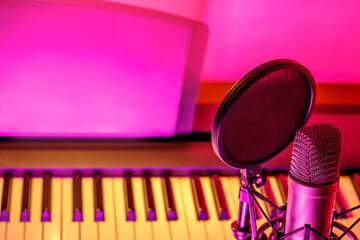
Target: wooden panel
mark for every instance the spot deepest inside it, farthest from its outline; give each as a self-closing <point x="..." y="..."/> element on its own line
<point x="326" y="94"/>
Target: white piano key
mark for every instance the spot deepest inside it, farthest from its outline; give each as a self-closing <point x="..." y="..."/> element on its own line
<point x="233" y="201"/>
<point x="88" y="227"/>
<point x="70" y="229"/>
<point x="179" y="228"/>
<point x="2" y="224"/>
<point x="52" y="229"/>
<point x="143" y="228"/>
<point x="161" y="226"/>
<point x="15" y="228"/>
<point x="214" y="227"/>
<point x="233" y="204"/>
<point x="234" y="185"/>
<point x="125" y="229"/>
<point x="33" y="229"/>
<point x="196" y="227"/>
<point x="107" y="227"/>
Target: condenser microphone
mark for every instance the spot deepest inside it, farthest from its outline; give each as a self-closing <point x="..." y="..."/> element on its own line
<point x="313" y="181"/>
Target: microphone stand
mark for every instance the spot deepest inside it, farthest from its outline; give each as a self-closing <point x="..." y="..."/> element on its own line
<point x="246" y="219"/>
<point x="245" y="227"/>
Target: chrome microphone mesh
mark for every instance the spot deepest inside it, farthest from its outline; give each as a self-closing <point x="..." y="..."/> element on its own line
<point x="316" y="154"/>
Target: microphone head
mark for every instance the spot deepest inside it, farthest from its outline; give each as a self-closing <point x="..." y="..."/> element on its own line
<point x="316" y="154"/>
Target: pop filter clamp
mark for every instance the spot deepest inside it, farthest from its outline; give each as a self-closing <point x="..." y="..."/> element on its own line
<point x="246" y="217"/>
<point x="257" y="119"/>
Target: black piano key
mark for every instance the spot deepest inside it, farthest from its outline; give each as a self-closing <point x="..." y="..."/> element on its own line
<point x="129" y="198"/>
<point x="220" y="200"/>
<point x="98" y="198"/>
<point x="199" y="199"/>
<point x="341" y="204"/>
<point x="5" y="203"/>
<point x="271" y="196"/>
<point x="77" y="198"/>
<point x="25" y="205"/>
<point x="356" y="182"/>
<point x="149" y="198"/>
<point x="46" y="200"/>
<point x="169" y="198"/>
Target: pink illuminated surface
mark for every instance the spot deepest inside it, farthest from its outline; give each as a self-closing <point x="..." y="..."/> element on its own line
<point x="109" y="70"/>
<point x="322" y="35"/>
<point x="73" y="83"/>
<point x="186" y="8"/>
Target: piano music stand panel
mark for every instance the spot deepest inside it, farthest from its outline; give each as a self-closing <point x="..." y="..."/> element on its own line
<point x="97" y="69"/>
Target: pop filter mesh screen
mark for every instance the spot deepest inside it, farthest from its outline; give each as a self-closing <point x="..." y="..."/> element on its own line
<point x="260" y="122"/>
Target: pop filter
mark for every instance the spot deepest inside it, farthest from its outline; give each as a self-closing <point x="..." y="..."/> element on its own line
<point x="262" y="112"/>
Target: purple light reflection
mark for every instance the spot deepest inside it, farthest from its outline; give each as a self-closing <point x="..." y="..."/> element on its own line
<point x="77" y="216"/>
<point x="99" y="216"/>
<point x="104" y="70"/>
<point x="4" y="216"/>
<point x="45" y="216"/>
<point x="130" y="216"/>
<point x="25" y="216"/>
<point x="172" y="216"/>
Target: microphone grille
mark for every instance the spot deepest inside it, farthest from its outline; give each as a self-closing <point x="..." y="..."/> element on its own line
<point x="316" y="154"/>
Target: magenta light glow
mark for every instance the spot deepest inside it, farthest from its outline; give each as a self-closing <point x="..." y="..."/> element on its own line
<point x="193" y="9"/>
<point x="322" y="35"/>
<point x="96" y="70"/>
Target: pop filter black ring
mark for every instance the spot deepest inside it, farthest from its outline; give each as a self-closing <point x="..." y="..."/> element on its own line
<point x="239" y="89"/>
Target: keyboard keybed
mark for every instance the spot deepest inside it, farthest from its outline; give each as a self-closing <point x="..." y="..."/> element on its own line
<point x="133" y="207"/>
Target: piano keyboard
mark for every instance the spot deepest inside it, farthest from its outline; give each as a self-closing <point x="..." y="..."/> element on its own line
<point x="133" y="207"/>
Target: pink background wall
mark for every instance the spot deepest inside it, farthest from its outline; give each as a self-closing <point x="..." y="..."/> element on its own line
<point x="322" y="35"/>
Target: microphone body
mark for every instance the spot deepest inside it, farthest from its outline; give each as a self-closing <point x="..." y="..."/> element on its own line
<point x="310" y="204"/>
<point x="313" y="181"/>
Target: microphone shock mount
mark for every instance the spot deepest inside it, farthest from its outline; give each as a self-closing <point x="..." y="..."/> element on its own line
<point x="244" y="228"/>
